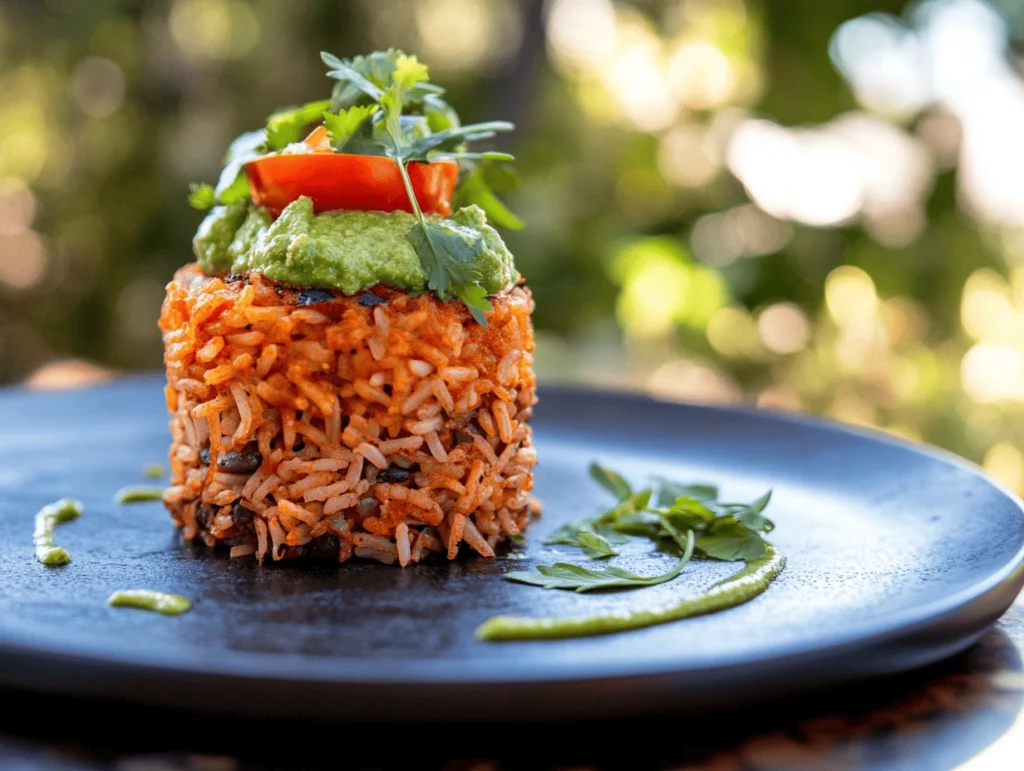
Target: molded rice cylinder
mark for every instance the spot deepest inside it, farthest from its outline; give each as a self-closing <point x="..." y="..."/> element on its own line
<point x="310" y="424"/>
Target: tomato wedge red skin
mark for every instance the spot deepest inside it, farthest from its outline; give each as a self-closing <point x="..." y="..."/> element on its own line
<point x="342" y="181"/>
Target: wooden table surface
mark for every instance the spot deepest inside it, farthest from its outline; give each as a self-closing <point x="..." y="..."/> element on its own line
<point x="964" y="713"/>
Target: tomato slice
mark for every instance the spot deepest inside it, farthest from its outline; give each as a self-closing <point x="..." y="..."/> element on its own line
<point x="353" y="182"/>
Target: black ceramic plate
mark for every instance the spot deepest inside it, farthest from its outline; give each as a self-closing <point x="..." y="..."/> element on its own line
<point x="898" y="556"/>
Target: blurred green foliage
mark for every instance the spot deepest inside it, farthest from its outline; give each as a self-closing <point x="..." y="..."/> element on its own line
<point x="663" y="249"/>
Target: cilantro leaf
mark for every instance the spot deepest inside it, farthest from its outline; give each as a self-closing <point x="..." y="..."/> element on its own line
<point x="668" y="491"/>
<point x="201" y="196"/>
<point x="409" y="71"/>
<point x="596" y="546"/>
<point x="475" y="299"/>
<point x="610" y="481"/>
<point x="751" y="514"/>
<point x="363" y="75"/>
<point x="474" y="189"/>
<point x="447" y="253"/>
<point x="233" y="185"/>
<point x="358" y="76"/>
<point x="689" y="512"/>
<point x="343" y="124"/>
<point x="236" y="191"/>
<point x="439" y="114"/>
<point x="594" y="539"/>
<point x="731" y="541"/>
<point x="564" y="575"/>
<point x="287" y="126"/>
<point x="450" y="139"/>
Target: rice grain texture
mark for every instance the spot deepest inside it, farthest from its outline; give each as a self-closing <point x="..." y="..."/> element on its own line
<point x="336" y="428"/>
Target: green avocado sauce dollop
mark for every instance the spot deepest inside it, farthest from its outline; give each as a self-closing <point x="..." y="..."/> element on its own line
<point x="346" y="250"/>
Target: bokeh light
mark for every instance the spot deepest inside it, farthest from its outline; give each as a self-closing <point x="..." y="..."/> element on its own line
<point x="97" y="86"/>
<point x="213" y="29"/>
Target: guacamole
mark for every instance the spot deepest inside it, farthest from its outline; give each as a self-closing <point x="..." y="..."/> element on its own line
<point x="346" y="250"/>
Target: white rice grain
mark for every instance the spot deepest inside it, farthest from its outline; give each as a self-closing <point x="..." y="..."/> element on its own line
<point x="418" y="396"/>
<point x="269" y="484"/>
<point x="407" y="443"/>
<point x="326" y="492"/>
<point x="427" y="426"/>
<point x="457" y="374"/>
<point x="402" y="544"/>
<point x="473" y="537"/>
<point x="436" y="448"/>
<point x="443" y="394"/>
<point x="503" y="421"/>
<point x="340" y="503"/>
<point x="485" y="449"/>
<point x="297" y="512"/>
<point x="420" y="368"/>
<point x="277" y="537"/>
<point x="372" y="454"/>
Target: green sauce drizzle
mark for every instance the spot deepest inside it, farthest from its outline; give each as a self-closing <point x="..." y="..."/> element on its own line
<point x="47" y="519"/>
<point x="154" y="471"/>
<point x="148" y="599"/>
<point x="745" y="585"/>
<point x="138" y="494"/>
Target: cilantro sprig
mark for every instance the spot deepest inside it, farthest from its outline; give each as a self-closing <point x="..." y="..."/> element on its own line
<point x="684" y="519"/>
<point x="725" y="531"/>
<point x="447" y="251"/>
<point x="564" y="575"/>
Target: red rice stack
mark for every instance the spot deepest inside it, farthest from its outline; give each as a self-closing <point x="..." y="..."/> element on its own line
<point x="307" y="423"/>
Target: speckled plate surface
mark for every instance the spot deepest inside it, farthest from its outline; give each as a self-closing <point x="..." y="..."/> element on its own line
<point x="898" y="556"/>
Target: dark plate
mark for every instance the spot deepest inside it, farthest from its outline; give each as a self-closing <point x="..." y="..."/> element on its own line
<point x="898" y="556"/>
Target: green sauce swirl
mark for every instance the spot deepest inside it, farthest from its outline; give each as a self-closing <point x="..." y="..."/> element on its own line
<point x="138" y="494"/>
<point x="47" y="519"/>
<point x="741" y="587"/>
<point x="148" y="599"/>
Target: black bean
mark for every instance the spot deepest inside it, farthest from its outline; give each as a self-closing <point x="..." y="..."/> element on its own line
<point x="292" y="552"/>
<point x="232" y="277"/>
<point x="243" y="518"/>
<point x="367" y="506"/>
<point x="324" y="547"/>
<point x="314" y="296"/>
<point x="393" y="474"/>
<point x="244" y="461"/>
<point x="463" y="437"/>
<point x="369" y="299"/>
<point x="204" y="456"/>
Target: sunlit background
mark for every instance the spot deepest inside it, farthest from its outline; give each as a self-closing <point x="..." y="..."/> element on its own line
<point x="803" y="204"/>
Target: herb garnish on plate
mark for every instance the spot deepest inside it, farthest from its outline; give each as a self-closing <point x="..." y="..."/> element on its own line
<point x="687" y="520"/>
